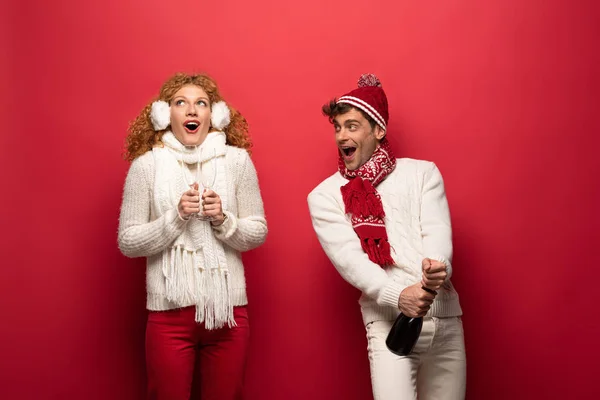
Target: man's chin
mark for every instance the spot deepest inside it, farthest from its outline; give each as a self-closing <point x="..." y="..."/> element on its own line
<point x="350" y="166"/>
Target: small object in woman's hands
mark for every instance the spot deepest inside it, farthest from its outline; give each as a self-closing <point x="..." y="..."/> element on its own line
<point x="194" y="186"/>
<point x="201" y="215"/>
<point x="208" y="179"/>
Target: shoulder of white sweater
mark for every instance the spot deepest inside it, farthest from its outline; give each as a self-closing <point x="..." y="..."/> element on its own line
<point x="144" y="164"/>
<point x="411" y="165"/>
<point x="145" y="160"/>
<point x="237" y="155"/>
<point x="237" y="160"/>
<point x="409" y="169"/>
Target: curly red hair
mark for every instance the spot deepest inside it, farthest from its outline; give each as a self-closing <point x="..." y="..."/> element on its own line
<point x="142" y="137"/>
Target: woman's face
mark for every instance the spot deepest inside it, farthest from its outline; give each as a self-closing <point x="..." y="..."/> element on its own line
<point x="190" y="115"/>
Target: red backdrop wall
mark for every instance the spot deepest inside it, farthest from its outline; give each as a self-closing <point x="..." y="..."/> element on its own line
<point x="502" y="95"/>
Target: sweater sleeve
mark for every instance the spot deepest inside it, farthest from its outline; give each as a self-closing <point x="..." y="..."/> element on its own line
<point x="341" y="244"/>
<point x="436" y="230"/>
<point x="138" y="235"/>
<point x="248" y="229"/>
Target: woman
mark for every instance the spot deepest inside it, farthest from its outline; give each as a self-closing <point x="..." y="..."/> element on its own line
<point x="191" y="205"/>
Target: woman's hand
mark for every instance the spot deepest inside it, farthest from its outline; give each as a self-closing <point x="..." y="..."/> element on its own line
<point x="189" y="203"/>
<point x="212" y="207"/>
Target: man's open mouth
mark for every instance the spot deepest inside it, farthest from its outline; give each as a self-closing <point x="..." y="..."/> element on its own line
<point x="348" y="151"/>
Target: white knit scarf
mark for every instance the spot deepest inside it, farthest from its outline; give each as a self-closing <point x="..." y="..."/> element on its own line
<point x="194" y="266"/>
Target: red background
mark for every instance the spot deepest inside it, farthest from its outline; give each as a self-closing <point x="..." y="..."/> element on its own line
<point x="501" y="95"/>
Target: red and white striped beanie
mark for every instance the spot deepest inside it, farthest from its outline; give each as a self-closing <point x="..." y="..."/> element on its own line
<point x="370" y="98"/>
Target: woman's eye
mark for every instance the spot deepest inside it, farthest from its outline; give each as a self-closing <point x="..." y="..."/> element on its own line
<point x="202" y="103"/>
<point x="179" y="102"/>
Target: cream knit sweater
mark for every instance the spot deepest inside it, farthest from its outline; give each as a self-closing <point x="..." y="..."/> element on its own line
<point x="143" y="234"/>
<point x="417" y="221"/>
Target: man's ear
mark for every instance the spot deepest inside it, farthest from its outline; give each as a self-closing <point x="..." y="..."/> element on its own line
<point x="379" y="132"/>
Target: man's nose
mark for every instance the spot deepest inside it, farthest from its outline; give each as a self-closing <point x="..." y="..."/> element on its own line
<point x="341" y="135"/>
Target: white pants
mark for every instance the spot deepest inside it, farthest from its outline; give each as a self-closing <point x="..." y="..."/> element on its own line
<point x="436" y="369"/>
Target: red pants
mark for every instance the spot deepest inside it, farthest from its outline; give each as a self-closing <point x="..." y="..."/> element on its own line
<point x="184" y="359"/>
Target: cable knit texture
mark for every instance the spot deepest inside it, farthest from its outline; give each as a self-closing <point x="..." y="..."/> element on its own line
<point x="417" y="221"/>
<point x="145" y="233"/>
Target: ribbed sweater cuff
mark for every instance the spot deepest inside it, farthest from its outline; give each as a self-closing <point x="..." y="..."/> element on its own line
<point x="391" y="294"/>
<point x="174" y="220"/>
<point x="444" y="260"/>
<point x="227" y="228"/>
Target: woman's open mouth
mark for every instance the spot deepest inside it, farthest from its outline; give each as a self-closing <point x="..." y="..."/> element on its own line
<point x="191" y="126"/>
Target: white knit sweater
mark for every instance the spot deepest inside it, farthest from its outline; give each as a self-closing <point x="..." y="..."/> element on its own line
<point x="417" y="221"/>
<point x="143" y="234"/>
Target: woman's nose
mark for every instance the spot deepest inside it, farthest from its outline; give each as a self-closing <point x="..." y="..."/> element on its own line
<point x="191" y="110"/>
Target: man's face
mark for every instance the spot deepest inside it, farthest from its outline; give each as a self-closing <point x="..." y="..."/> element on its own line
<point x="355" y="138"/>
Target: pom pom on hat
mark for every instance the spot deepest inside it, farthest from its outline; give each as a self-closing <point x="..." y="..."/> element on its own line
<point x="368" y="80"/>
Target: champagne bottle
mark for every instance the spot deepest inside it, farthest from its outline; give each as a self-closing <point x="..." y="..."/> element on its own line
<point x="405" y="332"/>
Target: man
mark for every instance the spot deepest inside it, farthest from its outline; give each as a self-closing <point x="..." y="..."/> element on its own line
<point x="385" y="225"/>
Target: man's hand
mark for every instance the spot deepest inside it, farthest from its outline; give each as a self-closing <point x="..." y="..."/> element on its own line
<point x="434" y="274"/>
<point x="414" y="301"/>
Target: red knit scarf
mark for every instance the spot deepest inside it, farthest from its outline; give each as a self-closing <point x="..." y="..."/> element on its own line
<point x="364" y="203"/>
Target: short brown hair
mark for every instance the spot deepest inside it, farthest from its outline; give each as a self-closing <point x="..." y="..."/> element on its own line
<point x="333" y="109"/>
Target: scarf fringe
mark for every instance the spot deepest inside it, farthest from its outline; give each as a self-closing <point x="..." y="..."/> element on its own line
<point x="188" y="282"/>
<point x="378" y="250"/>
<point x="361" y="202"/>
<point x="215" y="307"/>
<point x="179" y="281"/>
